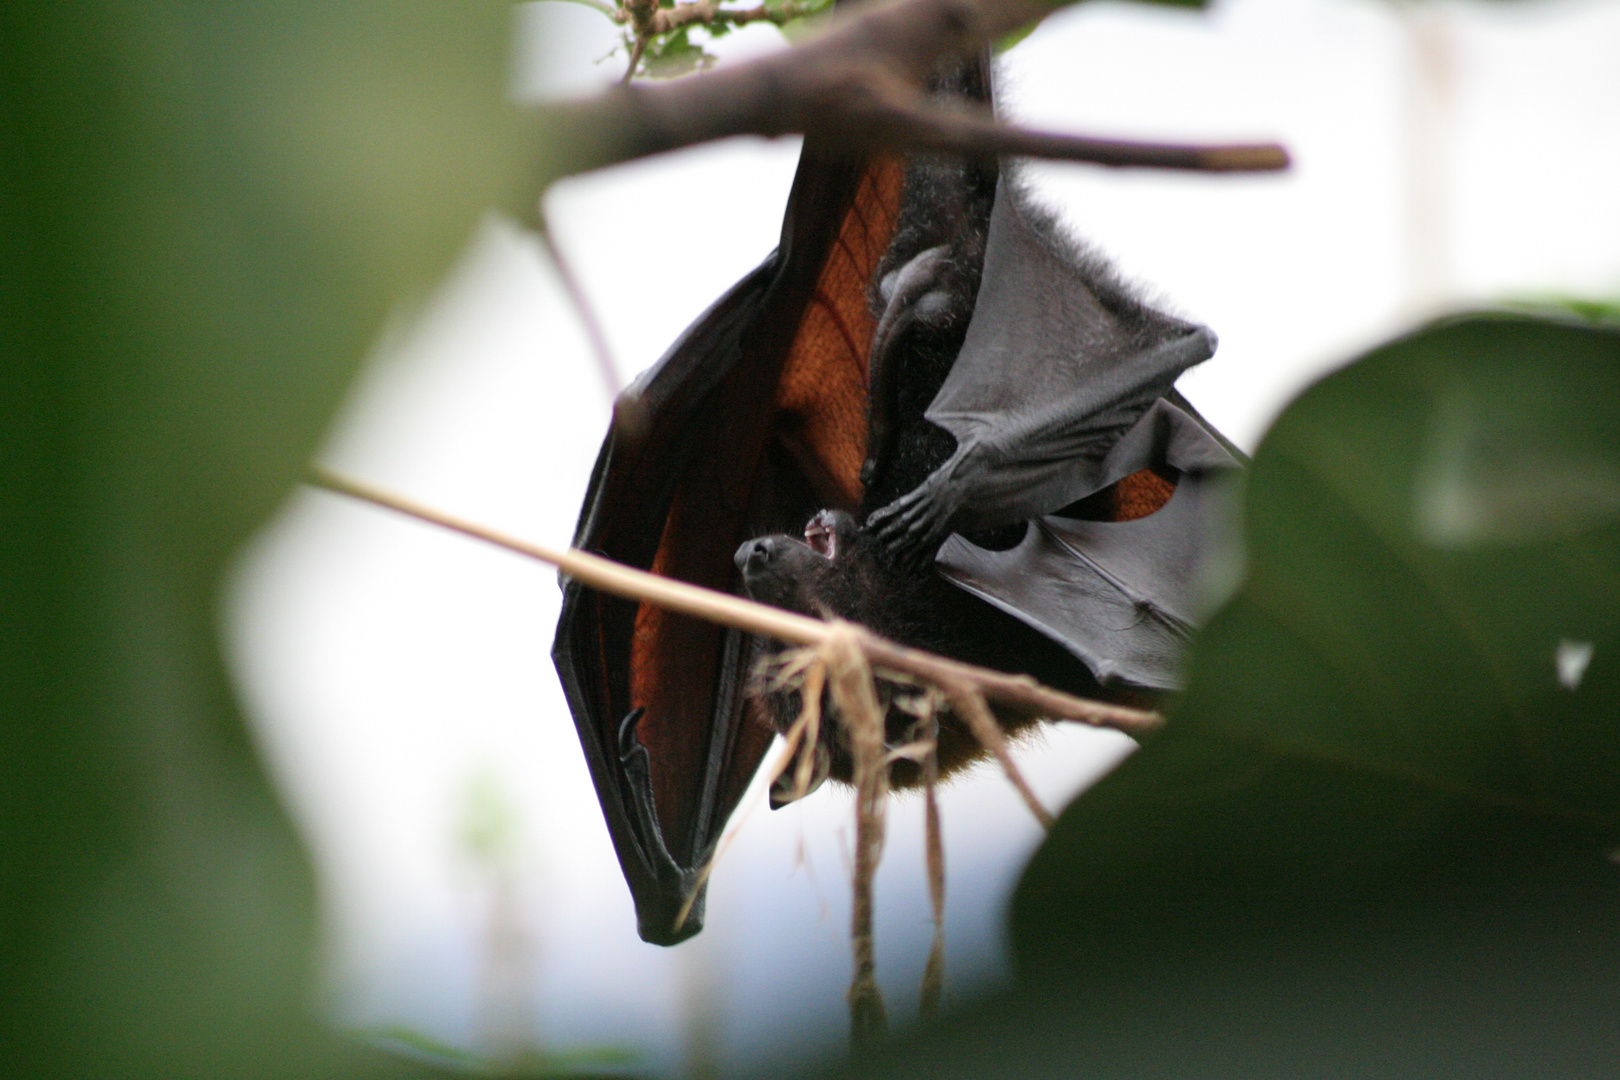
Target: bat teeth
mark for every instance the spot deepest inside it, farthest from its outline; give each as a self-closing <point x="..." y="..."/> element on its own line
<point x="822" y="537"/>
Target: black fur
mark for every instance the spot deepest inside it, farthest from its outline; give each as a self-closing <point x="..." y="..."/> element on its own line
<point x="939" y="241"/>
<point x="922" y="610"/>
<point x="945" y="203"/>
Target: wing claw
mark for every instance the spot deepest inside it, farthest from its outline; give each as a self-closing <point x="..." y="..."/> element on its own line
<point x="912" y="527"/>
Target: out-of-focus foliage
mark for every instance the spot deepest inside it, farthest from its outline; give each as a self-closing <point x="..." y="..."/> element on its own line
<point x="1595" y="310"/>
<point x="1381" y="835"/>
<point x="612" y="1061"/>
<point x="674" y="54"/>
<point x="208" y="211"/>
<point x="1381" y="832"/>
<point x="677" y="52"/>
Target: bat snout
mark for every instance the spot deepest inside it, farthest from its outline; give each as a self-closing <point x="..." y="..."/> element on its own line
<point x="754" y="557"/>
<point x="775" y="569"/>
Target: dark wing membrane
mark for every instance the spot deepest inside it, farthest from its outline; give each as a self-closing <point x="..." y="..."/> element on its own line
<point x="751" y="422"/>
<point x="1062" y="396"/>
<point x="1124" y="589"/>
<point x="1059" y="361"/>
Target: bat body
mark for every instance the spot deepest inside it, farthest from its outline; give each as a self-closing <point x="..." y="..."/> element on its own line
<point x="927" y="353"/>
<point x="840" y="570"/>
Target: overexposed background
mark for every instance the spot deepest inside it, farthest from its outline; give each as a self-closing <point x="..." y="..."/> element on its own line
<point x="400" y="678"/>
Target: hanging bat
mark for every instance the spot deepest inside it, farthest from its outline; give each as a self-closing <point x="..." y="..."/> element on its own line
<point x="972" y="424"/>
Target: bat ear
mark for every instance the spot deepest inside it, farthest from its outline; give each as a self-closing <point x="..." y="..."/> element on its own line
<point x="785" y="789"/>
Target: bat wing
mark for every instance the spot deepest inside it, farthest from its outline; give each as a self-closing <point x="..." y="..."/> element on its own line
<point x="1063" y="391"/>
<point x="751" y="422"/>
<point x="1122" y="595"/>
<point x="1058" y="363"/>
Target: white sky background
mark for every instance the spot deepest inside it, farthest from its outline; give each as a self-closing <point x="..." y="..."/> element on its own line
<point x="394" y="670"/>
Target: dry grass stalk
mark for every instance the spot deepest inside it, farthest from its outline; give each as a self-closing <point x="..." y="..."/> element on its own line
<point x="856" y="700"/>
<point x="923" y="748"/>
<point x="1017" y="691"/>
<point x="933" y="984"/>
<point x="969" y="705"/>
<point x="848" y="654"/>
<point x="804" y="665"/>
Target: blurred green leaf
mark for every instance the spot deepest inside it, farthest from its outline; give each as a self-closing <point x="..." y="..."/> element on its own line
<point x="591" y="1061"/>
<point x="1427" y="531"/>
<point x="1392" y="780"/>
<point x="1381" y="834"/>
<point x="1591" y="309"/>
<point x="1007" y="41"/>
<point x="671" y="55"/>
<point x="208" y="212"/>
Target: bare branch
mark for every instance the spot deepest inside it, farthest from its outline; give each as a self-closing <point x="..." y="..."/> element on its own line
<point x="642" y="15"/>
<point x="979" y="132"/>
<point x="636" y="49"/>
<point x="1017" y="691"/>
<point x="859" y="83"/>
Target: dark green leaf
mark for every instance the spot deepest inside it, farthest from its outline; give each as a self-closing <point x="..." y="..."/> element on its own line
<point x="1381" y="835"/>
<point x="1394" y="771"/>
<point x="208" y="212"/>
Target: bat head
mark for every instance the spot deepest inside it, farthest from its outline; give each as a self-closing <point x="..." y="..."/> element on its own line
<point x="810" y="576"/>
<point x="837" y="570"/>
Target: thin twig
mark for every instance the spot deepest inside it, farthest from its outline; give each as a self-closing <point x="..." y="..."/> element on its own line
<point x="980" y="132"/>
<point x="862" y="715"/>
<point x="582" y="307"/>
<point x="1018" y="691"/>
<point x="970" y="707"/>
<point x="933" y="981"/>
<point x="636" y="49"/>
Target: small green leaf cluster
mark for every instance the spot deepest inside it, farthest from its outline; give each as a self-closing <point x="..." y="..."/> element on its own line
<point x="670" y="55"/>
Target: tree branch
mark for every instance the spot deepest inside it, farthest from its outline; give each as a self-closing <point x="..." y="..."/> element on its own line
<point x="1018" y="691"/>
<point x="979" y="132"/>
<point x="860" y="83"/>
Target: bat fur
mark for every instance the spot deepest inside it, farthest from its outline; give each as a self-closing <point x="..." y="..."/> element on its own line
<point x="1009" y="380"/>
<point x="923" y="296"/>
<point x="840" y="571"/>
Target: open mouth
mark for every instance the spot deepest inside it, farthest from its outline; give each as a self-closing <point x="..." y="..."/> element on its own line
<point x="821" y="537"/>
